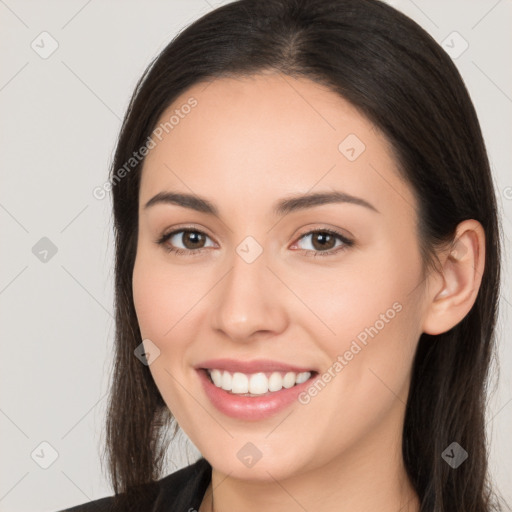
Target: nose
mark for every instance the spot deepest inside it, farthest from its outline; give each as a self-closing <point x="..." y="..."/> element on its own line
<point x="250" y="301"/>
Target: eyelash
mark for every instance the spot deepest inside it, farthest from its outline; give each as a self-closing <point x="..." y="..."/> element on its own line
<point x="194" y="252"/>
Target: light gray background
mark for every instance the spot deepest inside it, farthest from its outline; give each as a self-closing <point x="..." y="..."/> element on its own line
<point x="60" y="117"/>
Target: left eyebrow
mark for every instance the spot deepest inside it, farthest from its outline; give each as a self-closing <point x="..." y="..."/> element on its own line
<point x="309" y="200"/>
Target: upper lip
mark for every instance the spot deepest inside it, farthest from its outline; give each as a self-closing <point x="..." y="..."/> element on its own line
<point x="249" y="367"/>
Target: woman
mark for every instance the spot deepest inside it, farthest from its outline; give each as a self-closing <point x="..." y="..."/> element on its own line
<point x="267" y="134"/>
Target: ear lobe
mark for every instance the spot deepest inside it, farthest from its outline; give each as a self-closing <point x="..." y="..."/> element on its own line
<point x="455" y="287"/>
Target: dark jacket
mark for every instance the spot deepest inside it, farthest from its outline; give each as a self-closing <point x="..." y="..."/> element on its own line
<point x="181" y="491"/>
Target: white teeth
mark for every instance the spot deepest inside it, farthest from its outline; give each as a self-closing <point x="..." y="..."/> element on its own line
<point x="226" y="381"/>
<point x="303" y="377"/>
<point x="275" y="383"/>
<point x="240" y="383"/>
<point x="289" y="380"/>
<point x="256" y="383"/>
<point x="216" y="376"/>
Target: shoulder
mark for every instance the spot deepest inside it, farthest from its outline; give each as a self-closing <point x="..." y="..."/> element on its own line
<point x="183" y="489"/>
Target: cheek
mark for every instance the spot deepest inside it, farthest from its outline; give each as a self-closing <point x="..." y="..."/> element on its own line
<point x="371" y="318"/>
<point x="166" y="300"/>
<point x="161" y="297"/>
<point x="366" y="298"/>
<point x="161" y="301"/>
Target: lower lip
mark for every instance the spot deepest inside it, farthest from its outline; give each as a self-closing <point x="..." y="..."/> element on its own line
<point x="250" y="408"/>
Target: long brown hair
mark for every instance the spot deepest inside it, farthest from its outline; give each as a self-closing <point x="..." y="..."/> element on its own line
<point x="402" y="81"/>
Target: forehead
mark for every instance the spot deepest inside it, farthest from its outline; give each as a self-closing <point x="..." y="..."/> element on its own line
<point x="265" y="136"/>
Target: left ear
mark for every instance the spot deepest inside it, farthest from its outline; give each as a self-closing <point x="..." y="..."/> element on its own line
<point x="453" y="290"/>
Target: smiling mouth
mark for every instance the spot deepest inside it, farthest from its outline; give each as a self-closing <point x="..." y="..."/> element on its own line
<point x="256" y="384"/>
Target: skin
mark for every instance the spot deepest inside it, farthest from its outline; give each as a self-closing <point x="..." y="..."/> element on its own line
<point x="248" y="143"/>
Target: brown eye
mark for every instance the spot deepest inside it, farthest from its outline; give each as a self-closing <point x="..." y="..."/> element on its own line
<point x="184" y="241"/>
<point x="192" y="239"/>
<point x="323" y="242"/>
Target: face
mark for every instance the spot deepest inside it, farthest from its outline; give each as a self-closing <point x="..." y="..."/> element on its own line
<point x="306" y="312"/>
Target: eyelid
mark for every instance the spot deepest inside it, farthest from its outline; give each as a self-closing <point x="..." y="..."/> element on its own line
<point x="346" y="241"/>
<point x="315" y="228"/>
<point x="176" y="229"/>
